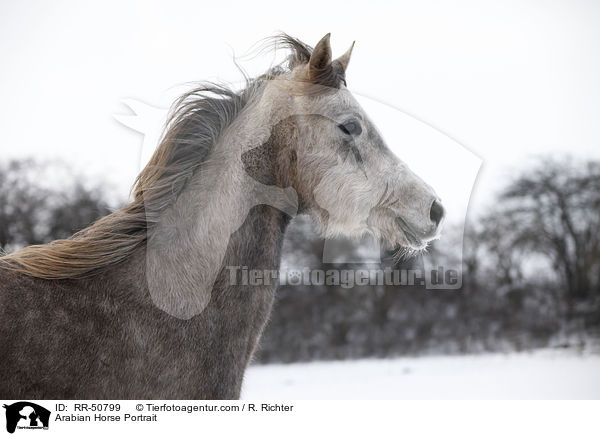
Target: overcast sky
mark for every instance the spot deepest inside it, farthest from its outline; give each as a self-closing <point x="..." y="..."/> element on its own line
<point x="508" y="80"/>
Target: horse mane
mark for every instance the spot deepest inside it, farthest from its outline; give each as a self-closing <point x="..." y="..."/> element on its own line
<point x="196" y="121"/>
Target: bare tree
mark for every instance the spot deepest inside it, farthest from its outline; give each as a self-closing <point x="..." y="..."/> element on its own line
<point x="22" y="205"/>
<point x="553" y="211"/>
<point x="33" y="213"/>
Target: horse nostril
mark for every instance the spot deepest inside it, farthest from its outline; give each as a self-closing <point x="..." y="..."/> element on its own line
<point x="436" y="213"/>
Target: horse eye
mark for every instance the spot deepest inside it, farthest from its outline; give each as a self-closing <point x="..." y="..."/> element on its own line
<point x="351" y="128"/>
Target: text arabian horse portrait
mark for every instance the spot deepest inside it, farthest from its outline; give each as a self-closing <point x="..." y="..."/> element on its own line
<point x="140" y="304"/>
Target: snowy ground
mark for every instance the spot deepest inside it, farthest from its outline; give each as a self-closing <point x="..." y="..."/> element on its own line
<point x="547" y="374"/>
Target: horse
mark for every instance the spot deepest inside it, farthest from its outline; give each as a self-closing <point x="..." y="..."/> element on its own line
<point x="141" y="304"/>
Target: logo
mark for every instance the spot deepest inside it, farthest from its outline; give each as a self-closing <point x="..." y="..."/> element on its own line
<point x="26" y="415"/>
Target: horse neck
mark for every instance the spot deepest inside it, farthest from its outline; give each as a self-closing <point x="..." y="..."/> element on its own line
<point x="257" y="243"/>
<point x="224" y="216"/>
<point x="251" y="185"/>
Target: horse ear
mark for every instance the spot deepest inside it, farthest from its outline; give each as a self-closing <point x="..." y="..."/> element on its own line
<point x="344" y="59"/>
<point x="320" y="59"/>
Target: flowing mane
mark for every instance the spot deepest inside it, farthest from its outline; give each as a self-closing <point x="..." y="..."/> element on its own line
<point x="196" y="121"/>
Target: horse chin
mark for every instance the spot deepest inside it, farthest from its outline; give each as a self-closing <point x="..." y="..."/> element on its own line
<point x="407" y="238"/>
<point x="403" y="246"/>
<point x="396" y="238"/>
<point x="410" y="243"/>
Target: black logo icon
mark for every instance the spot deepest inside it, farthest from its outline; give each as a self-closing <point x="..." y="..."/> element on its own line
<point x="26" y="415"/>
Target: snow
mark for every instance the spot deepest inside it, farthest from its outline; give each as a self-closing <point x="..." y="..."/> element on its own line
<point x="547" y="374"/>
